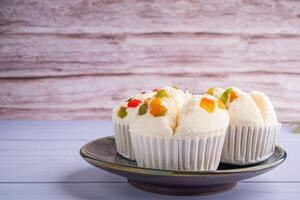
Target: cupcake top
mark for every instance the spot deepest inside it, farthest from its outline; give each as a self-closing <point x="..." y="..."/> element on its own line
<point x="202" y="114"/>
<point x="265" y="106"/>
<point x="158" y="115"/>
<point x="127" y="109"/>
<point x="254" y="109"/>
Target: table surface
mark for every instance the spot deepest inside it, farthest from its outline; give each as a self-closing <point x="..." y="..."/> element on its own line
<point x="40" y="160"/>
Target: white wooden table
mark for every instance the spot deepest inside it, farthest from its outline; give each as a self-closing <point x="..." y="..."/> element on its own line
<point x="40" y="160"/>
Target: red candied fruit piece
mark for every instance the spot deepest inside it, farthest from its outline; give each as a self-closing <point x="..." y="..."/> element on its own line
<point x="134" y="103"/>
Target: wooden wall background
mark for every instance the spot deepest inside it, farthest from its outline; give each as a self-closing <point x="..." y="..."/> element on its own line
<point x="74" y="59"/>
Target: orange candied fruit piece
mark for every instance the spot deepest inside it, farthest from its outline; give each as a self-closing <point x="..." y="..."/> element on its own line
<point x="211" y="91"/>
<point x="221" y="104"/>
<point x="207" y="104"/>
<point x="233" y="96"/>
<point x="156" y="108"/>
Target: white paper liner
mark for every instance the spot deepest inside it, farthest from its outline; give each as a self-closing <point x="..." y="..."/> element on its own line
<point x="123" y="140"/>
<point x="194" y="154"/>
<point x="249" y="145"/>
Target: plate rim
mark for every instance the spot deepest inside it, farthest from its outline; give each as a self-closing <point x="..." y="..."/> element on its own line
<point x="161" y="172"/>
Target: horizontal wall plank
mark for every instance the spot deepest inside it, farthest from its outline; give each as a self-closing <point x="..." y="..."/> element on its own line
<point x="51" y="55"/>
<point x="94" y="96"/>
<point x="252" y="16"/>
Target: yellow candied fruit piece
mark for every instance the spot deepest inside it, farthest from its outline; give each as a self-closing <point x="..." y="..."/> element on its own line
<point x="211" y="91"/>
<point x="221" y="104"/>
<point x="156" y="108"/>
<point x="207" y="104"/>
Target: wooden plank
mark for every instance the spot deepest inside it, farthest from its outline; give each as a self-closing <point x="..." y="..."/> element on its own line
<point x="176" y="54"/>
<point x="80" y="130"/>
<point x="93" y="97"/>
<point x="112" y="191"/>
<point x="150" y="16"/>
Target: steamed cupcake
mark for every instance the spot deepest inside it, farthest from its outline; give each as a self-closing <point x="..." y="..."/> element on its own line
<point x="203" y="122"/>
<point x="253" y="127"/>
<point x="161" y="140"/>
<point x="122" y="115"/>
<point x="152" y="129"/>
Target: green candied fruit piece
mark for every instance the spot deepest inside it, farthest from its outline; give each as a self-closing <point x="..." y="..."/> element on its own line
<point x="122" y="112"/>
<point x="161" y="94"/>
<point x="225" y="95"/>
<point x="143" y="109"/>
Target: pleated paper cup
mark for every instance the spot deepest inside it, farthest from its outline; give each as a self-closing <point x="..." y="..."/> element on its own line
<point x="249" y="145"/>
<point x="179" y="153"/>
<point x="201" y="153"/>
<point x="123" y="140"/>
<point x="157" y="153"/>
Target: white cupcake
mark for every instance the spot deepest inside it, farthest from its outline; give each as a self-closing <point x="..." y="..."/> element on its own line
<point x="253" y="128"/>
<point x="203" y="122"/>
<point x="122" y="115"/>
<point x="195" y="145"/>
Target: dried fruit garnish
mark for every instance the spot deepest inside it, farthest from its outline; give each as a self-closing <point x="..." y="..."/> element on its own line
<point x="233" y="96"/>
<point x="161" y="94"/>
<point x="211" y="91"/>
<point x="221" y="104"/>
<point x="122" y="112"/>
<point x="207" y="104"/>
<point x="229" y="93"/>
<point x="156" y="108"/>
<point x="143" y="109"/>
<point x="134" y="103"/>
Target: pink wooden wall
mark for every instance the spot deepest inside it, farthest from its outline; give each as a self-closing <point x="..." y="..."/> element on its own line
<point x="74" y="59"/>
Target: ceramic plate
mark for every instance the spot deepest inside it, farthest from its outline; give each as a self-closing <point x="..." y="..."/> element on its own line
<point x="102" y="153"/>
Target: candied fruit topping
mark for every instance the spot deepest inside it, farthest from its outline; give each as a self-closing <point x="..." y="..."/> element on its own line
<point x="143" y="109"/>
<point x="211" y="91"/>
<point x="155" y="90"/>
<point x="221" y="104"/>
<point x="175" y="87"/>
<point x="229" y="93"/>
<point x="207" y="104"/>
<point x="133" y="103"/>
<point x="147" y="100"/>
<point x="225" y="94"/>
<point x="233" y="96"/>
<point x="161" y="94"/>
<point x="143" y="92"/>
<point x="156" y="108"/>
<point x="122" y="112"/>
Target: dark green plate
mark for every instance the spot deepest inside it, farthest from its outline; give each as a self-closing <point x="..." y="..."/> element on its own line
<point x="102" y="153"/>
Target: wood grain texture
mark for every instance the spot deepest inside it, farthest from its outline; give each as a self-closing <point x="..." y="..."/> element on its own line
<point x="40" y="160"/>
<point x="76" y="59"/>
